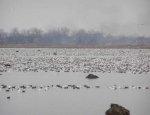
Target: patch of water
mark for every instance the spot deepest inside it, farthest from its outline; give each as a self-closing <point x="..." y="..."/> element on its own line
<point x="84" y="101"/>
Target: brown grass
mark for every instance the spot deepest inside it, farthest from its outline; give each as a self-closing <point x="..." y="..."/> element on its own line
<point x="75" y="46"/>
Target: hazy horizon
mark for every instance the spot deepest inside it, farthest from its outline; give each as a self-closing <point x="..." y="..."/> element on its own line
<point x="127" y="17"/>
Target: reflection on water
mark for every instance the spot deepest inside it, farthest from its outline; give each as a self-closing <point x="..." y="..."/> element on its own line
<point x="55" y="101"/>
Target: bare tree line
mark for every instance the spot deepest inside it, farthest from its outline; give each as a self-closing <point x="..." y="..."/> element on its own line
<point x="64" y="36"/>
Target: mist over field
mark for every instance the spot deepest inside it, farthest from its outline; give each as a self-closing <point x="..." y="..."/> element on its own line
<point x="64" y="36"/>
<point x="68" y="22"/>
<point x="92" y="22"/>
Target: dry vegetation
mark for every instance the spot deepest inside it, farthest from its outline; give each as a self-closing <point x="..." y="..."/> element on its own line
<point x="74" y="46"/>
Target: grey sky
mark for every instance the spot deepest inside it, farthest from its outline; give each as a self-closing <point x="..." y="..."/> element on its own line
<point x="129" y="17"/>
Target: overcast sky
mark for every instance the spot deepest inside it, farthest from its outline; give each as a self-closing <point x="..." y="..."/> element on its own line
<point x="129" y="17"/>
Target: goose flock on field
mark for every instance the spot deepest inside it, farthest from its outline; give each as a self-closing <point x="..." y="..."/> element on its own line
<point x="136" y="61"/>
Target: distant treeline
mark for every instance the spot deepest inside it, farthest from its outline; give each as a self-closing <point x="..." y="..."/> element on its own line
<point x="64" y="36"/>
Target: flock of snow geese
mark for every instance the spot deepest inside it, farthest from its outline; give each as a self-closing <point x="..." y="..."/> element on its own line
<point x="135" y="61"/>
<point x="23" y="88"/>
